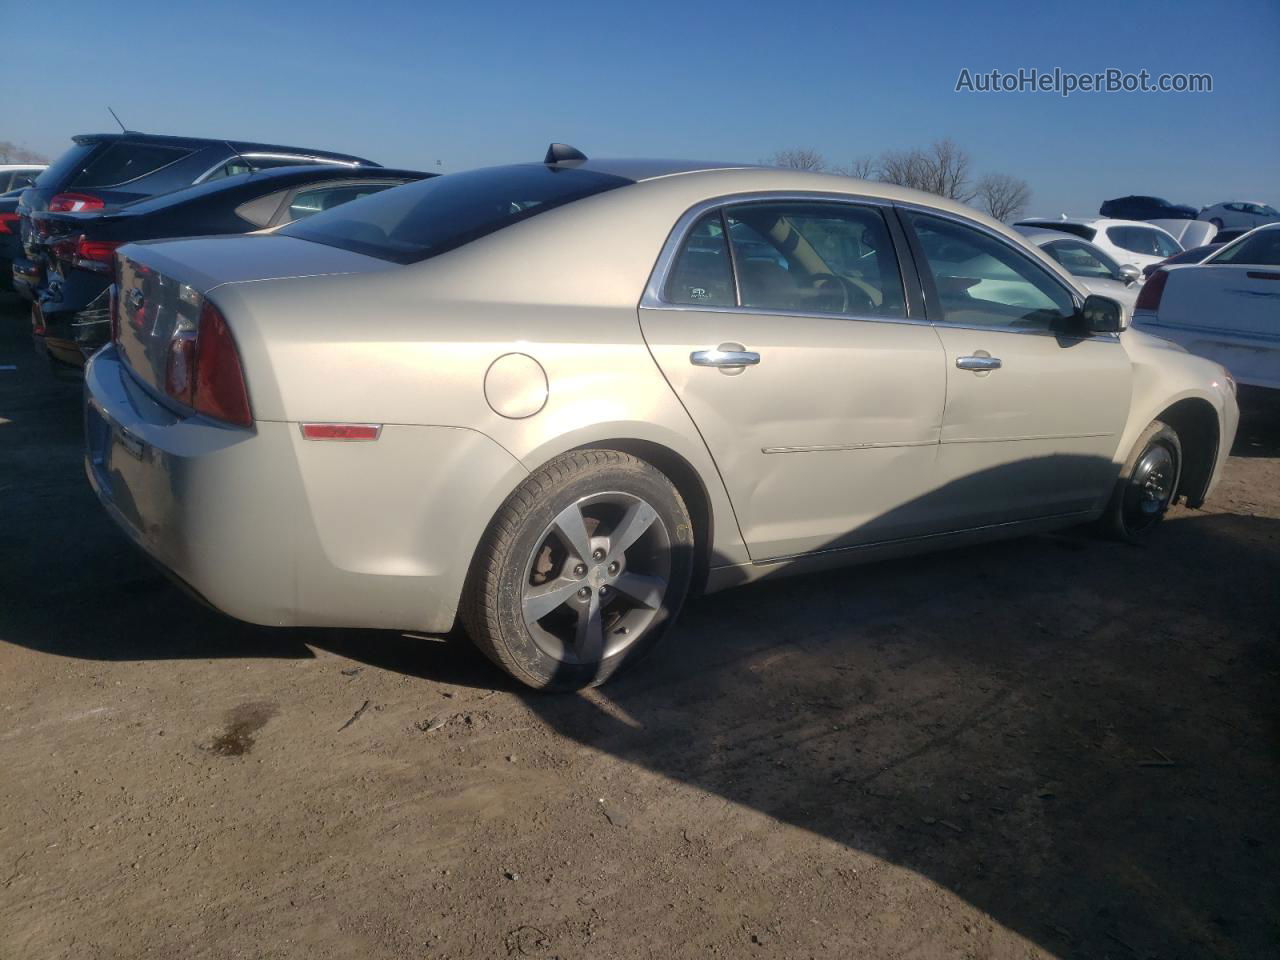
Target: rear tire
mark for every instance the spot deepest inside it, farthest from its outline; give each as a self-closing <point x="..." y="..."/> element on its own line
<point x="582" y="570"/>
<point x="1146" y="486"/>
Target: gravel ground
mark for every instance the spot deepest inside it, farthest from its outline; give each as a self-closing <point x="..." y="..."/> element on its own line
<point x="1049" y="747"/>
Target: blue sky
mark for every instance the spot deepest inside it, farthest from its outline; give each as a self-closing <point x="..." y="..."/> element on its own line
<point x="470" y="84"/>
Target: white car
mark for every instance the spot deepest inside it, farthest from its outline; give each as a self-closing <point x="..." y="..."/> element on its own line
<point x="1126" y="241"/>
<point x="1238" y="214"/>
<point x="1089" y="264"/>
<point x="1226" y="309"/>
<point x="16" y="176"/>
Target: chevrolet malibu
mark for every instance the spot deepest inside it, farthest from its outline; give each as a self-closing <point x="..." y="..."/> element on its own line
<point x="550" y="400"/>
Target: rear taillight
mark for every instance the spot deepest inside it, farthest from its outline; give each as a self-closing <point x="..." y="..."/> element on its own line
<point x="96" y="255"/>
<point x="1151" y="292"/>
<point x="202" y="369"/>
<point x="75" y="203"/>
<point x="9" y="224"/>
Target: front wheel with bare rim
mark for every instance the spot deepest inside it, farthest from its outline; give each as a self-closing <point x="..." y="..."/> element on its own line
<point x="583" y="569"/>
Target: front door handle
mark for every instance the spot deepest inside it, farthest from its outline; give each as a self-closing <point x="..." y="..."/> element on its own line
<point x="978" y="363"/>
<point x="724" y="356"/>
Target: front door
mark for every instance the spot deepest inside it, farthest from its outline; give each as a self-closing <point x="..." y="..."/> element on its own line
<point x="1033" y="416"/>
<point x="784" y="330"/>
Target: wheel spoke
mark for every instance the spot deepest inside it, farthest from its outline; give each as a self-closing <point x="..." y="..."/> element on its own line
<point x="644" y="590"/>
<point x="589" y="638"/>
<point x="638" y="518"/>
<point x="569" y="522"/>
<point x="539" y="601"/>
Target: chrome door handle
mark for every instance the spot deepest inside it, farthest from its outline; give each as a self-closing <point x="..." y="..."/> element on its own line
<point x="978" y="363"/>
<point x="724" y="358"/>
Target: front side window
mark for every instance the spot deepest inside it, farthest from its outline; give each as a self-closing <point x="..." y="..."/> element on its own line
<point x="983" y="282"/>
<point x="431" y="217"/>
<point x="701" y="274"/>
<point x="832" y="258"/>
<point x="1082" y="261"/>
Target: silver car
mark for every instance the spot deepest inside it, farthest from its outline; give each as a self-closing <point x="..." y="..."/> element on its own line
<point x="552" y="399"/>
<point x="1091" y="267"/>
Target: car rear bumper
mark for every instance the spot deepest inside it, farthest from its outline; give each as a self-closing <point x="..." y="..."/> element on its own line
<point x="273" y="529"/>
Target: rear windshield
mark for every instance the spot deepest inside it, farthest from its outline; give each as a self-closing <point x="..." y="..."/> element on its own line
<point x="431" y="217"/>
<point x="66" y="166"/>
<point x="124" y="162"/>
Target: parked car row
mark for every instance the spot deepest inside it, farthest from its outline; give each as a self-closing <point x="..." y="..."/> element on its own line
<point x="61" y="232"/>
<point x="582" y="389"/>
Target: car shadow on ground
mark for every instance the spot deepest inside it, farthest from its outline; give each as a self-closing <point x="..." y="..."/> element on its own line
<point x="1081" y="739"/>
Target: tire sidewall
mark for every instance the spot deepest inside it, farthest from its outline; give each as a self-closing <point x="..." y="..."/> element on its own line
<point x="627" y="476"/>
<point x="1157" y="434"/>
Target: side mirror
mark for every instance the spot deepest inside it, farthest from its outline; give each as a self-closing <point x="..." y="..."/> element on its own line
<point x="1130" y="274"/>
<point x="1102" y="315"/>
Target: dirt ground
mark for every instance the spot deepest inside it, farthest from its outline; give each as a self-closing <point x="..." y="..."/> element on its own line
<point x="1051" y="747"/>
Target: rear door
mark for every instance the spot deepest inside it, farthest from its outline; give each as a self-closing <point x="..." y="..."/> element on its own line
<point x="784" y="328"/>
<point x="1033" y="416"/>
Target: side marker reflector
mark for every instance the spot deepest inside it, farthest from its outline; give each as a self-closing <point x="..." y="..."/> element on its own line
<point x="341" y="431"/>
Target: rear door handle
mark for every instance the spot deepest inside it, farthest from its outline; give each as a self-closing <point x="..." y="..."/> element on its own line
<point x="978" y="363"/>
<point x="720" y="357"/>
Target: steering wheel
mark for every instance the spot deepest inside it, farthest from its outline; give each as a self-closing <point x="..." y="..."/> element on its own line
<point x="825" y="284"/>
<point x="852" y="296"/>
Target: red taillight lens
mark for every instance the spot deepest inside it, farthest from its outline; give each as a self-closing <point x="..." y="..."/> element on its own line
<point x="96" y="255"/>
<point x="1151" y="292"/>
<point x="219" y="389"/>
<point x="75" y="203"/>
<point x="9" y="224"/>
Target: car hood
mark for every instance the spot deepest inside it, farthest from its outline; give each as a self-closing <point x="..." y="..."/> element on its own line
<point x="205" y="263"/>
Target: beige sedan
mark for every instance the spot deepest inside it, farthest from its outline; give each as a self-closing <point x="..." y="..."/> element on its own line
<point x="552" y="399"/>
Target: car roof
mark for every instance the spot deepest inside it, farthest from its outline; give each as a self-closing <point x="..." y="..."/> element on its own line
<point x="196" y="143"/>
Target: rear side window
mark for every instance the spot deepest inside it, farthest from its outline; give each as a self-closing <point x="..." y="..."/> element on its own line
<point x="431" y="217"/>
<point x="701" y="274"/>
<point x="815" y="258"/>
<point x="66" y="166"/>
<point x="1142" y="240"/>
<point x="123" y="162"/>
<point x="313" y="200"/>
<point x="1260" y="249"/>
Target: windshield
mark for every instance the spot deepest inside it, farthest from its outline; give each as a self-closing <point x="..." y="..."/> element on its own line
<point x="431" y="217"/>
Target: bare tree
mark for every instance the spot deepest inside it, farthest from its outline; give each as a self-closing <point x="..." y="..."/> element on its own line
<point x="800" y="158"/>
<point x="1003" y="196"/>
<point x="12" y="153"/>
<point x="941" y="168"/>
<point x="864" y="168"/>
<point x="946" y="166"/>
<point x="906" y="168"/>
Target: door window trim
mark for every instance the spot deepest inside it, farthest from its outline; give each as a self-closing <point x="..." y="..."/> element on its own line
<point x="653" y="298"/>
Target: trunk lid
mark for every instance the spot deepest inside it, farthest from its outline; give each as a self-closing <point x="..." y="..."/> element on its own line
<point x="1228" y="312"/>
<point x="161" y="286"/>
